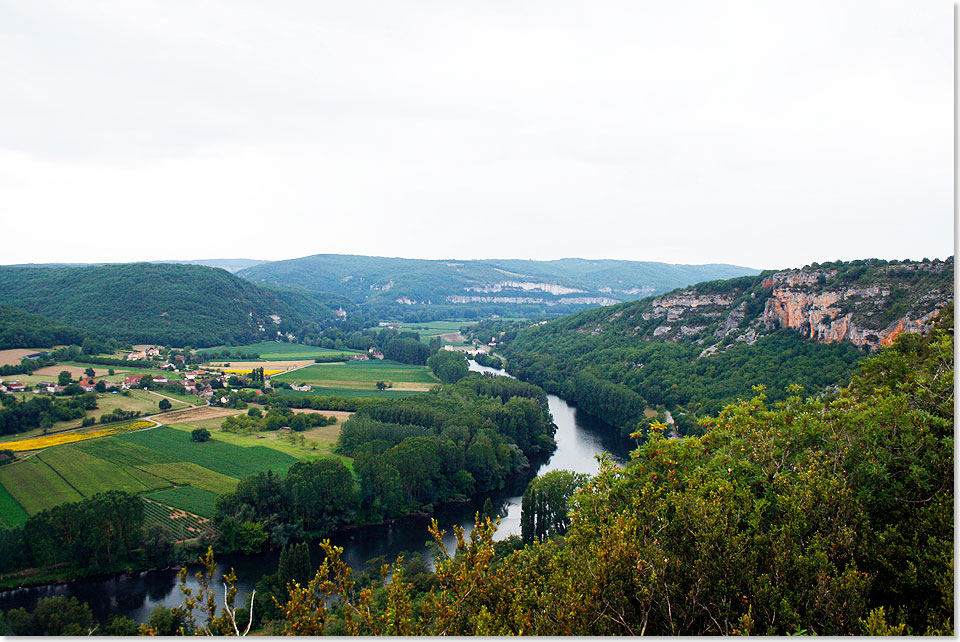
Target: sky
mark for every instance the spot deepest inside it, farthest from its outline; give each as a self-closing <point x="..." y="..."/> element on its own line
<point x="762" y="134"/>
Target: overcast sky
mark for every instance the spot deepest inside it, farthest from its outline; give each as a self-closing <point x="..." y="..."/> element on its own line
<point x="765" y="134"/>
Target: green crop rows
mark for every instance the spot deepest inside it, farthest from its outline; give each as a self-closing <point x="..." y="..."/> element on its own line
<point x="180" y="524"/>
<point x="190" y="474"/>
<point x="188" y="498"/>
<point x="145" y="462"/>
<point x="90" y="475"/>
<point x="227" y="459"/>
<point x="35" y="485"/>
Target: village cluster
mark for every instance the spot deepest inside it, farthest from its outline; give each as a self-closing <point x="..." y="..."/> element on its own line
<point x="198" y="381"/>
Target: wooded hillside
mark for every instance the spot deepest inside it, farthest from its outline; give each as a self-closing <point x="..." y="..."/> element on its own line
<point x="165" y="304"/>
<point x="695" y="350"/>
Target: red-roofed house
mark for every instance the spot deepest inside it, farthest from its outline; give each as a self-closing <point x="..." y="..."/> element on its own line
<point x="132" y="380"/>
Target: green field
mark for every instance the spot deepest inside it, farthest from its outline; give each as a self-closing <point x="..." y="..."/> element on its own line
<point x="318" y="442"/>
<point x="220" y="457"/>
<point x="36" y="486"/>
<point x="123" y="453"/>
<point x="186" y="398"/>
<point x="362" y="373"/>
<point x="137" y="400"/>
<point x="188" y="498"/>
<point x="147" y="462"/>
<point x="12" y="514"/>
<point x="90" y="475"/>
<point x="189" y="474"/>
<point x="275" y="351"/>
<point x="431" y="329"/>
<point x="352" y="392"/>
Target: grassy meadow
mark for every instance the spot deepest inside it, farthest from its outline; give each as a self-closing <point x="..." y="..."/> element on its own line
<point x="430" y="329"/>
<point x="362" y="375"/>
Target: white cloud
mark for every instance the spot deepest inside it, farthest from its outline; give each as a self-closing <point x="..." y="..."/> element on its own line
<point x="758" y="133"/>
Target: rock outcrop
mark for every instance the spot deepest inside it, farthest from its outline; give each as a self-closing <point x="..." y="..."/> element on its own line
<point x="868" y="303"/>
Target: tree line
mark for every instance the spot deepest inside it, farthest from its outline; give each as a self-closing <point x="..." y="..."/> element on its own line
<point x="408" y="455"/>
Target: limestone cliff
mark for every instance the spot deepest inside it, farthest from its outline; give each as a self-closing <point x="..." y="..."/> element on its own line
<point x="867" y="303"/>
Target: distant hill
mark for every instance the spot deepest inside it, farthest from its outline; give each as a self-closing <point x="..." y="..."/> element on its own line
<point x="392" y="285"/>
<point x="696" y="349"/>
<point x="162" y="303"/>
<point x="230" y="265"/>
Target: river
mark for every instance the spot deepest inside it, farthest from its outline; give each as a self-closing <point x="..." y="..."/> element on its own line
<point x="580" y="439"/>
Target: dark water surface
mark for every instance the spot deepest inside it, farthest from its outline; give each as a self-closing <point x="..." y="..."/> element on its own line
<point x="580" y="439"/>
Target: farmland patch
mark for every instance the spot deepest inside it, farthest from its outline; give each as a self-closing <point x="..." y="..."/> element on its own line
<point x="75" y="371"/>
<point x="275" y="351"/>
<point x="195" y="414"/>
<point x="367" y="372"/>
<point x="123" y="453"/>
<point x="181" y="525"/>
<point x="13" y="356"/>
<point x="47" y="441"/>
<point x="35" y="485"/>
<point x="12" y="514"/>
<point x="90" y="475"/>
<point x="190" y="474"/>
<point x="241" y="367"/>
<point x="352" y="393"/>
<point x="188" y="498"/>
<point x="217" y="456"/>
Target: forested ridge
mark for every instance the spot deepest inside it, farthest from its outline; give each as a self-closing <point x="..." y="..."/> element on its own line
<point x="161" y="303"/>
<point x="418" y="289"/>
<point x="695" y="350"/>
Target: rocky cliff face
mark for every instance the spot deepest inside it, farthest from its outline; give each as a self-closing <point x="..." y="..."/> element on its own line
<point x="819" y="313"/>
<point x="868" y="303"/>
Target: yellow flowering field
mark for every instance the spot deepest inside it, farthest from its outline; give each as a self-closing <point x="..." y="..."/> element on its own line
<point x="246" y="371"/>
<point x="46" y="441"/>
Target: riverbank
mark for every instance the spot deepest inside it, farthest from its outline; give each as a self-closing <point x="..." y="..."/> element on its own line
<point x="580" y="439"/>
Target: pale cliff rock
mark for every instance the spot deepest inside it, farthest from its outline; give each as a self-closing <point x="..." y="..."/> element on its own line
<point x="575" y="300"/>
<point x="826" y="305"/>
<point x="526" y="286"/>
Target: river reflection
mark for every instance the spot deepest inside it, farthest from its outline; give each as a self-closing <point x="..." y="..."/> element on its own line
<point x="580" y="439"/>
